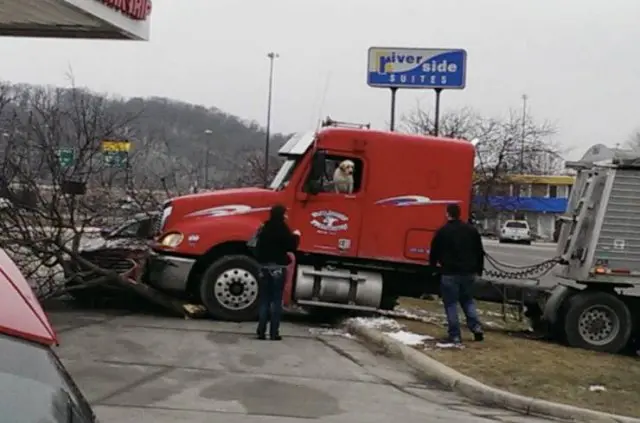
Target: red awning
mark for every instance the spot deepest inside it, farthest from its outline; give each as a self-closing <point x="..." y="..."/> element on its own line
<point x="20" y="312"/>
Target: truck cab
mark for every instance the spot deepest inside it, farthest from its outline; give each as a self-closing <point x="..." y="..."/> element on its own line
<point x="358" y="250"/>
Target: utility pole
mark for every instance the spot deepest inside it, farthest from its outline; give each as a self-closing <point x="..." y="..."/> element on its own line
<point x="272" y="56"/>
<point x="524" y="131"/>
<point x="208" y="132"/>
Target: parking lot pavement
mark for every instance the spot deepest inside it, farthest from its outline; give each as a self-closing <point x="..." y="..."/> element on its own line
<point x="153" y="369"/>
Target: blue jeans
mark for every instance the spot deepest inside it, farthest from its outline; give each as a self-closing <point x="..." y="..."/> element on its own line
<point x="272" y="279"/>
<point x="458" y="289"/>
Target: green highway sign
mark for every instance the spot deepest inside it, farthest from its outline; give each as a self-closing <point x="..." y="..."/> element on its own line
<point x="119" y="159"/>
<point x="66" y="157"/>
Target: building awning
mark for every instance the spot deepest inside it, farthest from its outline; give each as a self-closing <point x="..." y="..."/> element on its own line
<point x="89" y="19"/>
<point x="523" y="204"/>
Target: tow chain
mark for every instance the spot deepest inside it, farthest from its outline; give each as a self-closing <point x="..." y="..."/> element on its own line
<point x="508" y="271"/>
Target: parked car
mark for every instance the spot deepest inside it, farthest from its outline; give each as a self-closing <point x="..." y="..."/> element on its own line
<point x="35" y="385"/>
<point x="516" y="231"/>
<point x="119" y="248"/>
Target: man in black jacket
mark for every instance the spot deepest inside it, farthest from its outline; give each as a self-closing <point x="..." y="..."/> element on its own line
<point x="457" y="249"/>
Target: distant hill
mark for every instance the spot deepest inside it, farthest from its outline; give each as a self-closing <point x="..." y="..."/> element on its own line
<point x="170" y="137"/>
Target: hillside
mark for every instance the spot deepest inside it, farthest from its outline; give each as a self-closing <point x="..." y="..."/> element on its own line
<point x="170" y="138"/>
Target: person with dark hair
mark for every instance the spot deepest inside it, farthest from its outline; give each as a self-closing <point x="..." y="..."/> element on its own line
<point x="456" y="249"/>
<point x="273" y="241"/>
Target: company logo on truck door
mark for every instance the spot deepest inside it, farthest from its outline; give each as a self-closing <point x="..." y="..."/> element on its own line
<point x="412" y="200"/>
<point x="329" y="221"/>
<point x="228" y="210"/>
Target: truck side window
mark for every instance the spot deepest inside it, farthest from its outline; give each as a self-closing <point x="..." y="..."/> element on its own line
<point x="329" y="185"/>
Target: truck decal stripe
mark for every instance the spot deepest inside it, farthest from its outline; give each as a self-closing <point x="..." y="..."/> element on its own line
<point x="412" y="200"/>
<point x="228" y="210"/>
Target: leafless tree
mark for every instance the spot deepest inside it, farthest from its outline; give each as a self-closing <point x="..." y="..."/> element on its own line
<point x="506" y="146"/>
<point x="250" y="172"/>
<point x="633" y="142"/>
<point x="56" y="184"/>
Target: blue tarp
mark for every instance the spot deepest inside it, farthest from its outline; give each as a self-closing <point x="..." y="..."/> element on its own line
<point x="525" y="204"/>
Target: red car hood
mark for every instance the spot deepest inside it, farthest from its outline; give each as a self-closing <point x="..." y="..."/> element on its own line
<point x="20" y="312"/>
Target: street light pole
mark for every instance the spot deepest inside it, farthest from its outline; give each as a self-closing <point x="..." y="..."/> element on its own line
<point x="272" y="56"/>
<point x="524" y="131"/>
<point x="206" y="160"/>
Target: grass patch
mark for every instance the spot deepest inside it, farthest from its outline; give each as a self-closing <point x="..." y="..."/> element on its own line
<point x="509" y="360"/>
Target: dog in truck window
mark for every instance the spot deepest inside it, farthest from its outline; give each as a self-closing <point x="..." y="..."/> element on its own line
<point x="343" y="177"/>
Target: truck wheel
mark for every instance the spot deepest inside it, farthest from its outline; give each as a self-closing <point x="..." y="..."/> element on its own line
<point x="229" y="288"/>
<point x="597" y="321"/>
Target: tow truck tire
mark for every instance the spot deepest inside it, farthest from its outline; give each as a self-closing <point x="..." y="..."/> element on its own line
<point x="597" y="321"/>
<point x="229" y="288"/>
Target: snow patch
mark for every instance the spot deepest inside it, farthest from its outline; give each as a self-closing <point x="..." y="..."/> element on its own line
<point x="449" y="345"/>
<point x="409" y="338"/>
<point x="330" y="332"/>
<point x="378" y="323"/>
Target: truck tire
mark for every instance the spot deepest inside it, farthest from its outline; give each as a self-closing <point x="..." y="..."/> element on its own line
<point x="229" y="288"/>
<point x="597" y="321"/>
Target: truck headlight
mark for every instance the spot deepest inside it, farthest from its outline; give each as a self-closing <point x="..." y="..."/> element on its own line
<point x="171" y="240"/>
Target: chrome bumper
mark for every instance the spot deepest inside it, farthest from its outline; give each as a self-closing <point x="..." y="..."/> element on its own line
<point x="168" y="272"/>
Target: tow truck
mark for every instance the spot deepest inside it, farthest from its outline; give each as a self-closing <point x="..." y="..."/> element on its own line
<point x="358" y="251"/>
<point x="598" y="307"/>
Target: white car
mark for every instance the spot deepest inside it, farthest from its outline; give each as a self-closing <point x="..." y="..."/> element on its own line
<point x="515" y="231"/>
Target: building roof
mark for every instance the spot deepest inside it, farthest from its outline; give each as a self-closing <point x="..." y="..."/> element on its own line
<point x="539" y="179"/>
<point x="89" y="19"/>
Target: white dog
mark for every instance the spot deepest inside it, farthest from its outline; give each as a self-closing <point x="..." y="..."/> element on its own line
<point x="343" y="177"/>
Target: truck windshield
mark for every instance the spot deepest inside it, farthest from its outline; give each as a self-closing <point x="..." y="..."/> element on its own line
<point x="281" y="179"/>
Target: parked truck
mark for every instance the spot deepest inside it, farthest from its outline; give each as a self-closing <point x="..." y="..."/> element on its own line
<point x="599" y="256"/>
<point x="358" y="251"/>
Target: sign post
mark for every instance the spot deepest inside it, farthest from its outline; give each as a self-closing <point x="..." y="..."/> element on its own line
<point x="430" y="68"/>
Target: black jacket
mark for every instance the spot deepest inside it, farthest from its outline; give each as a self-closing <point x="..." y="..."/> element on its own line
<point x="274" y="242"/>
<point x="457" y="248"/>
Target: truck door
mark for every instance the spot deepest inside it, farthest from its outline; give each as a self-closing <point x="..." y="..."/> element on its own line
<point x="328" y="217"/>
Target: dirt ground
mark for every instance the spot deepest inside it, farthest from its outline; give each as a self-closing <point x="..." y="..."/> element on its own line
<point x="512" y="359"/>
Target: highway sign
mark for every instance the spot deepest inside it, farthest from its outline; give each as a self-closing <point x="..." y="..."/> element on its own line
<point x="66" y="157"/>
<point x="116" y="153"/>
<point x="119" y="159"/>
<point x="391" y="67"/>
<point x="111" y="145"/>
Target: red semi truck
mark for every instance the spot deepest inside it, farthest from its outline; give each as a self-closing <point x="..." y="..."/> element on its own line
<point x="358" y="251"/>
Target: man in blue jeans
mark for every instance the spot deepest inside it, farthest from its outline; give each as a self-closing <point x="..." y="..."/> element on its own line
<point x="457" y="249"/>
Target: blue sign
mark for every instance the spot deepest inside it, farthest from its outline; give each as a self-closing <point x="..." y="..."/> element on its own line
<point x="417" y="68"/>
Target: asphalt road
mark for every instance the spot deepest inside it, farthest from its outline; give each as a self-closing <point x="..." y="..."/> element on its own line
<point x="524" y="255"/>
<point x="150" y="369"/>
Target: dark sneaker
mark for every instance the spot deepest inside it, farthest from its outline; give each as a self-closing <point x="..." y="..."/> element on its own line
<point x="261" y="337"/>
<point x="276" y="338"/>
<point x="478" y="336"/>
<point x="447" y="343"/>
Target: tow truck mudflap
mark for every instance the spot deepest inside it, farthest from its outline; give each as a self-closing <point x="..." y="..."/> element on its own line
<point x="553" y="303"/>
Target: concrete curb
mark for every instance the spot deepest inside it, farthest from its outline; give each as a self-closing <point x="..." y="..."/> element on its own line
<point x="475" y="390"/>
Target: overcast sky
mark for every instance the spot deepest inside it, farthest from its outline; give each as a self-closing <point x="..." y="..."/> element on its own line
<point x="577" y="60"/>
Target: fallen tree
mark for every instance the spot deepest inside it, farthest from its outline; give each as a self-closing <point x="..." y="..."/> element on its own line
<point x="66" y="164"/>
